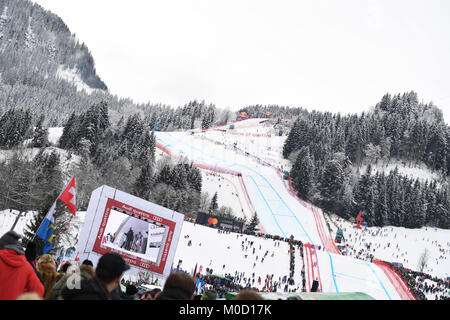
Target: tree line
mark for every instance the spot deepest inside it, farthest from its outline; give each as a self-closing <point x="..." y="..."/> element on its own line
<point x="97" y="152"/>
<point x="327" y="151"/>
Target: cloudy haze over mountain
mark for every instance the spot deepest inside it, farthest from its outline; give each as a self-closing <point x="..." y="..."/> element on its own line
<point x="339" y="56"/>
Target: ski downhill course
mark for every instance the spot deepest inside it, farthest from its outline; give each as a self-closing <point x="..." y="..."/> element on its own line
<point x="280" y="212"/>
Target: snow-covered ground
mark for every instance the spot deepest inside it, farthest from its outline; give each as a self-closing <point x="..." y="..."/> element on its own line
<point x="72" y="76"/>
<point x="281" y="214"/>
<point x="228" y="190"/>
<point x="399" y="245"/>
<point x="214" y="250"/>
<point x="54" y="134"/>
<point x="259" y="141"/>
<point x="412" y="171"/>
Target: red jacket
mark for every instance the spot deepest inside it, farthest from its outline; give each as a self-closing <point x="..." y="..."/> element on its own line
<point x="17" y="276"/>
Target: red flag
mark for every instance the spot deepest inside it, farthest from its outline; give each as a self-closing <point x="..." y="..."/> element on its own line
<point x="68" y="196"/>
<point x="76" y="258"/>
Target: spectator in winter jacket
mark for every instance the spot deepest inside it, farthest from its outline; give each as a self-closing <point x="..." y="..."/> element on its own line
<point x="16" y="274"/>
<point x="178" y="286"/>
<point x="31" y="256"/>
<point x="47" y="268"/>
<point x="108" y="274"/>
<point x="73" y="275"/>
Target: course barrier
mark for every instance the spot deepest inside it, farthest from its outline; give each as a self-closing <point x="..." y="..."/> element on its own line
<point x="219" y="170"/>
<point x="396" y="280"/>
<point x="248" y="134"/>
<point x="312" y="263"/>
<point x="326" y="240"/>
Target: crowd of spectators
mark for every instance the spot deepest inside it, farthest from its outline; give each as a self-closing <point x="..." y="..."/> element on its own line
<point x="423" y="285"/>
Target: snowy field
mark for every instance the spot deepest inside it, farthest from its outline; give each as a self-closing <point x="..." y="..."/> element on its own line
<point x="410" y="171"/>
<point x="211" y="249"/>
<point x="228" y="190"/>
<point x="400" y="245"/>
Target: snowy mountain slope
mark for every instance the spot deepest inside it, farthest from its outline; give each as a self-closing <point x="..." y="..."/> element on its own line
<point x="54" y="134"/>
<point x="269" y="197"/>
<point x="281" y="214"/>
<point x="73" y="76"/>
<point x="278" y="211"/>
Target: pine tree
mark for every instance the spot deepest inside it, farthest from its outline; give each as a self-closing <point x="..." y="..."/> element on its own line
<point x="381" y="209"/>
<point x="362" y="191"/>
<point x="165" y="175"/>
<point x="40" y="134"/>
<point x="331" y="183"/>
<point x="301" y="173"/>
<point x="179" y="177"/>
<point x="194" y="178"/>
<point x="252" y="225"/>
<point x="68" y="138"/>
<point x="291" y="141"/>
<point x="144" y="183"/>
<point x="214" y="204"/>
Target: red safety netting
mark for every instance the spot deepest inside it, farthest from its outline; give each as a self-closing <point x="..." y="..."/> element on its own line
<point x="396" y="280"/>
<point x="220" y="170"/>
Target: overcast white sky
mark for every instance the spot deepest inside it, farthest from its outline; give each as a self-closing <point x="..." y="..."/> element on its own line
<point x="333" y="55"/>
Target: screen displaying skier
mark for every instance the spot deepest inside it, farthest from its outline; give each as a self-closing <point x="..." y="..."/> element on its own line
<point x="142" y="238"/>
<point x="134" y="236"/>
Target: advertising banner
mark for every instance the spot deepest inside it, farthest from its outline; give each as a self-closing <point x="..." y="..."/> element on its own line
<point x="143" y="233"/>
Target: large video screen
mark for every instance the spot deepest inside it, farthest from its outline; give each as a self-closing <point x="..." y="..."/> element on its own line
<point x="142" y="238"/>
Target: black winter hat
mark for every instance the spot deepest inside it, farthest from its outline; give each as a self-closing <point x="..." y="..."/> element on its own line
<point x="10" y="240"/>
<point x="110" y="266"/>
<point x="88" y="263"/>
<point x="31" y="251"/>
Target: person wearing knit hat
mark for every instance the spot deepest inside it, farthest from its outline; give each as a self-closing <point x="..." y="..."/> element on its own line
<point x="16" y="274"/>
<point x="10" y="240"/>
<point x="108" y="274"/>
